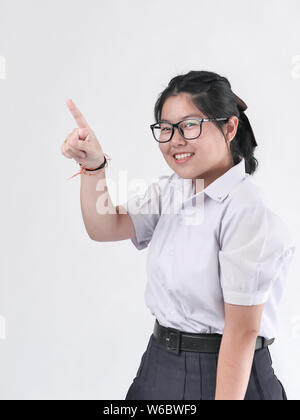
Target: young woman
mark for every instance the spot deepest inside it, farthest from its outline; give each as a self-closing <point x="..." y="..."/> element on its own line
<point x="216" y="270"/>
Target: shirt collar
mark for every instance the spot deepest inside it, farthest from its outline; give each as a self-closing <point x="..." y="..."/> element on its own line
<point x="220" y="188"/>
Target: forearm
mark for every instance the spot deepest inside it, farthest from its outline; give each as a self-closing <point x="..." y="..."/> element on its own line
<point x="98" y="212"/>
<point x="234" y="365"/>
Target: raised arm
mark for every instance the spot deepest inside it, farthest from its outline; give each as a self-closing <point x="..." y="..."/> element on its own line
<point x="103" y="221"/>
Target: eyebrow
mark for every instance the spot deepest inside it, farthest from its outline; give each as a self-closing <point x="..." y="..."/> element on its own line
<point x="186" y="116"/>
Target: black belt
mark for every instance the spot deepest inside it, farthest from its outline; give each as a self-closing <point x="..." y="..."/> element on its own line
<point x="175" y="340"/>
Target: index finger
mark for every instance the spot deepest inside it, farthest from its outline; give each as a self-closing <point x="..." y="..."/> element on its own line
<point x="79" y="118"/>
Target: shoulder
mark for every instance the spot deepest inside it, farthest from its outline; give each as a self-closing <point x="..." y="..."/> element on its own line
<point x="244" y="204"/>
<point x="245" y="195"/>
<point x="248" y="212"/>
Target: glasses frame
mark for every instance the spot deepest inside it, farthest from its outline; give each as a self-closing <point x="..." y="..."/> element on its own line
<point x="202" y="120"/>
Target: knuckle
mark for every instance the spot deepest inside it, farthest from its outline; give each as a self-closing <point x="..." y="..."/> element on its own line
<point x="74" y="152"/>
<point x="72" y="134"/>
<point x="69" y="150"/>
<point x="66" y="155"/>
<point x="74" y="144"/>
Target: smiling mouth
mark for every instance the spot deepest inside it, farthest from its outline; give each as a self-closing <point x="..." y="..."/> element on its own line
<point x="183" y="159"/>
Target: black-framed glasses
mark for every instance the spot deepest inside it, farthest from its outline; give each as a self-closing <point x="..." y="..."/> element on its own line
<point x="189" y="128"/>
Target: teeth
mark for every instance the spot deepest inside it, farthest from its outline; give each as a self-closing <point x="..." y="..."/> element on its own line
<point x="184" y="155"/>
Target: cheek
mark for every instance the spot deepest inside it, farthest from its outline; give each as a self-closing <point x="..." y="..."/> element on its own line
<point x="203" y="146"/>
<point x="207" y="151"/>
<point x="163" y="148"/>
<point x="211" y="142"/>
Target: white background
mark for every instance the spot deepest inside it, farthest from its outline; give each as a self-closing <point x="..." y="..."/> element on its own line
<point x="74" y="323"/>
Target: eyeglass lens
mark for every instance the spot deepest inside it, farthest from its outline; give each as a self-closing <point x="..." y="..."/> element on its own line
<point x="189" y="128"/>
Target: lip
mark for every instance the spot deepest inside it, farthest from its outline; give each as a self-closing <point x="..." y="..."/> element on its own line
<point x="183" y="160"/>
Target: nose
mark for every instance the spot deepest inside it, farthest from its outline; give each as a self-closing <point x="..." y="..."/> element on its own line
<point x="177" y="137"/>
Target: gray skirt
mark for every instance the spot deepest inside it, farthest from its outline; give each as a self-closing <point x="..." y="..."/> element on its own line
<point x="192" y="376"/>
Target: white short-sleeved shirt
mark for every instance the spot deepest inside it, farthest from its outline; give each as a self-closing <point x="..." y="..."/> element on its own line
<point x="222" y="244"/>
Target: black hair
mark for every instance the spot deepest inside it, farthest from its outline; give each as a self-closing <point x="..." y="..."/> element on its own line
<point x="212" y="95"/>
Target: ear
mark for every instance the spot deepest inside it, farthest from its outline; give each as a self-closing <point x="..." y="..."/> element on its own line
<point x="231" y="128"/>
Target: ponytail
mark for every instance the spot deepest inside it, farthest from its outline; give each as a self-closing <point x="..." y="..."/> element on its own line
<point x="244" y="143"/>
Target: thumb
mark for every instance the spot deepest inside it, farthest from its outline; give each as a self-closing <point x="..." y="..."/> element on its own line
<point x="83" y="133"/>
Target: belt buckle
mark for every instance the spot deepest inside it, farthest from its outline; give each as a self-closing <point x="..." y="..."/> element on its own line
<point x="173" y="340"/>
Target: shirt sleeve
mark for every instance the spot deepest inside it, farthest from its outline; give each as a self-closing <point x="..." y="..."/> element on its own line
<point x="144" y="210"/>
<point x="255" y="250"/>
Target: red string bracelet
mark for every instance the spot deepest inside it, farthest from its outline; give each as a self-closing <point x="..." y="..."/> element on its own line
<point x="84" y="170"/>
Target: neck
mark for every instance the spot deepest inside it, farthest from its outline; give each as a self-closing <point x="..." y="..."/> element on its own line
<point x="211" y="176"/>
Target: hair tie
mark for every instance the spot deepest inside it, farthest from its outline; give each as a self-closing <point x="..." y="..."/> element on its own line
<point x="240" y="103"/>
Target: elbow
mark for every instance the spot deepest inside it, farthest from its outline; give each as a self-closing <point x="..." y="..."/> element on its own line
<point x="91" y="236"/>
<point x="97" y="238"/>
<point x="92" y="233"/>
